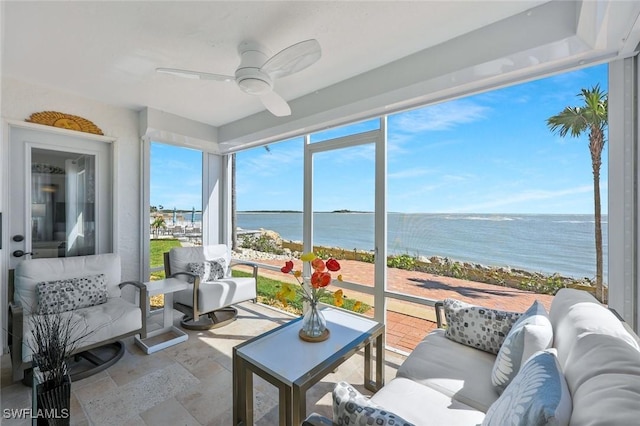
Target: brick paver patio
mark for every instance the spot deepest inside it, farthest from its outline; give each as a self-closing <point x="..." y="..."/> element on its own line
<point x="408" y="323"/>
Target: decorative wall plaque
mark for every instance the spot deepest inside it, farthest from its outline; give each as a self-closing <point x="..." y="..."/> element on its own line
<point x="65" y="121"/>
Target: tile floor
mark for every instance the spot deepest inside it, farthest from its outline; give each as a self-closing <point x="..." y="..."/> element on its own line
<point x="186" y="384"/>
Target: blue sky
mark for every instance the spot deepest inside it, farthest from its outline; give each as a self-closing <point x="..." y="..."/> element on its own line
<point x="488" y="153"/>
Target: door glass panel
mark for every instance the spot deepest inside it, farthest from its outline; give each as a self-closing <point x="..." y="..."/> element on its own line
<point x="62" y="204"/>
<point x="343" y="217"/>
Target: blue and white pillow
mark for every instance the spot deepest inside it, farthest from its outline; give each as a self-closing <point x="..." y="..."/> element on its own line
<point x="537" y="396"/>
<point x="209" y="270"/>
<point x="350" y="407"/>
<point x="531" y="333"/>
<point x="476" y="326"/>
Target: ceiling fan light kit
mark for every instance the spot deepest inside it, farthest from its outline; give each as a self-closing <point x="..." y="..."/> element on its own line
<point x="256" y="73"/>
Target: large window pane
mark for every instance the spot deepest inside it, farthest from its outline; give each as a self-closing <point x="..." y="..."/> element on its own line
<point x="175" y="218"/>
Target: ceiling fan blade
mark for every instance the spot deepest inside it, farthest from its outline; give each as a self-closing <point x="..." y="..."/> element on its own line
<point x="293" y="59"/>
<point x="195" y="74"/>
<point x="275" y="104"/>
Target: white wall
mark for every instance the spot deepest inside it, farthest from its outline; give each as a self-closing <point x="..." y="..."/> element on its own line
<point x="21" y="99"/>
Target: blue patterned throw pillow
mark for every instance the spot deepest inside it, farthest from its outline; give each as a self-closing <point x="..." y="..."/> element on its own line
<point x="476" y="326"/>
<point x="537" y="396"/>
<point x="350" y="407"/>
<point x="71" y="294"/>
<point x="531" y="333"/>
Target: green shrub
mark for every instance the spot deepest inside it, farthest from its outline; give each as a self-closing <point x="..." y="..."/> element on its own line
<point x="262" y="242"/>
<point x="403" y="261"/>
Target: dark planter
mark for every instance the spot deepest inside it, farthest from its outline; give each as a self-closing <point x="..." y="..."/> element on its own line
<point x="52" y="403"/>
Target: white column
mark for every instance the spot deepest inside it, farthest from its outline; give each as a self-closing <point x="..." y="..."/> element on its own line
<point x="623" y="191"/>
<point x="380" y="220"/>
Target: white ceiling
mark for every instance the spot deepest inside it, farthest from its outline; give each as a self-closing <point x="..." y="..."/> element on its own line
<point x="108" y="51"/>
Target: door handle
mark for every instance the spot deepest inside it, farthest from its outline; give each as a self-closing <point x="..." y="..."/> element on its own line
<point x="20" y="253"/>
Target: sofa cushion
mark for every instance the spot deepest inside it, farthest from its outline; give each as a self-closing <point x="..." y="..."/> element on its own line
<point x="574" y="313"/>
<point x="423" y="405"/>
<point x="456" y="370"/>
<point x="209" y="270"/>
<point x="476" y="326"/>
<point x="609" y="399"/>
<point x="603" y="374"/>
<point x="538" y="395"/>
<point x="350" y="407"/>
<point x="71" y="293"/>
<point x="530" y="334"/>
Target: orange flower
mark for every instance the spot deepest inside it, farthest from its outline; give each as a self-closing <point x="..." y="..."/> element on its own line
<point x="317" y="264"/>
<point x="320" y="279"/>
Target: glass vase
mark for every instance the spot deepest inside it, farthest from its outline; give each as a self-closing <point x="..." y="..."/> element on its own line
<point x="314" y="324"/>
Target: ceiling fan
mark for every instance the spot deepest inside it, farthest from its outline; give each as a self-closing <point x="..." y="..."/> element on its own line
<point x="256" y="73"/>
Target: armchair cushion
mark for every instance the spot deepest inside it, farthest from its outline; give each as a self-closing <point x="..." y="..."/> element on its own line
<point x="212" y="294"/>
<point x="71" y="293"/>
<point x="29" y="273"/>
<point x="181" y="257"/>
<point x="476" y="326"/>
<point x="209" y="270"/>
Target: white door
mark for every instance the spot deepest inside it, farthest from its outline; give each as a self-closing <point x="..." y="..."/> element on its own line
<point x="60" y="195"/>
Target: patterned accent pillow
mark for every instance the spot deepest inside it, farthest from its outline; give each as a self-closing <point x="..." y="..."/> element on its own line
<point x="538" y="395"/>
<point x="350" y="407"/>
<point x="71" y="294"/>
<point x="530" y="334"/>
<point x="209" y="270"/>
<point x="476" y="326"/>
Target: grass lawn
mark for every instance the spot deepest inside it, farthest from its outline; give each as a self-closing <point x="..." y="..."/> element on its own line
<point x="158" y="248"/>
<point x="267" y="287"/>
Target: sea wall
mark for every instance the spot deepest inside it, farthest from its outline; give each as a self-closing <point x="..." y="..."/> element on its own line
<point x="497" y="275"/>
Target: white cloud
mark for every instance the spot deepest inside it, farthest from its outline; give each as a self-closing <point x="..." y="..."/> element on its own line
<point x="443" y="116"/>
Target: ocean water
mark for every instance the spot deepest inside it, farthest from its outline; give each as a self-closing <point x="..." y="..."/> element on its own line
<point x="539" y="243"/>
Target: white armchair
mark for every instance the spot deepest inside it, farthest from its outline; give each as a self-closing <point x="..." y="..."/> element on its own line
<point x="102" y="320"/>
<point x="207" y="304"/>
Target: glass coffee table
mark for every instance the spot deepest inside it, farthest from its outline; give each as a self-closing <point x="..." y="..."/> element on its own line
<point x="292" y="365"/>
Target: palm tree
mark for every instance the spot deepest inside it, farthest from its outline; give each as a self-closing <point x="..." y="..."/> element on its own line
<point x="591" y="117"/>
<point x="158" y="223"/>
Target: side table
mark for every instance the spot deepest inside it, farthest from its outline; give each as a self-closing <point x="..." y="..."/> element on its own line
<point x="168" y="335"/>
<point x="293" y="366"/>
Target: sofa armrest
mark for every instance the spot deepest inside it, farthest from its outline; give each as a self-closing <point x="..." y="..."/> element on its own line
<point x="144" y="302"/>
<point x="439" y="307"/>
<point x="317" y="420"/>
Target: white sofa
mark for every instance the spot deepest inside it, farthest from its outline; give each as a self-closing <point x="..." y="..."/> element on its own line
<point x="444" y="382"/>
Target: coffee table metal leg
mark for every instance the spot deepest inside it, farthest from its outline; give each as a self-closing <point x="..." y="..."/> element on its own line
<point x="242" y="393"/>
<point x="285" y="410"/>
<point x="299" y="405"/>
<point x="379" y="362"/>
<point x="368" y="364"/>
